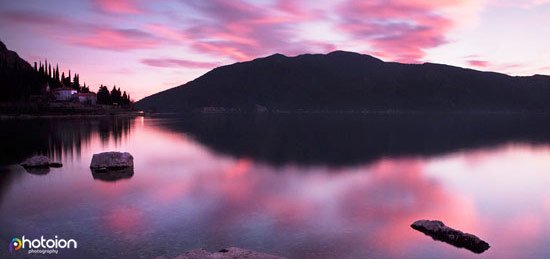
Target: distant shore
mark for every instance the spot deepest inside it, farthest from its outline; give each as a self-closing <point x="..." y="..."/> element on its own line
<point x="62" y="110"/>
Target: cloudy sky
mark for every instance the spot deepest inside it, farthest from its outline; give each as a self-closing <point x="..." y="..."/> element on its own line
<point x="148" y="46"/>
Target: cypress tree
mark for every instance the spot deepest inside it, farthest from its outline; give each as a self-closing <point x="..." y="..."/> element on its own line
<point x="57" y="72"/>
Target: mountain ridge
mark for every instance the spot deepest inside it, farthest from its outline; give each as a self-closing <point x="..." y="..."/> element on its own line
<point x="349" y="81"/>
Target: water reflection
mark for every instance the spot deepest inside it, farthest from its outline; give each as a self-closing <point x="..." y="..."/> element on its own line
<point x="38" y="171"/>
<point x="184" y="196"/>
<point x="341" y="140"/>
<point x="112" y="176"/>
<point x="61" y="138"/>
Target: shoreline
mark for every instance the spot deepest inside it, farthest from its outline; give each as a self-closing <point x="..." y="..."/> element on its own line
<point x="62" y="110"/>
<point x="69" y="116"/>
<point x="344" y="112"/>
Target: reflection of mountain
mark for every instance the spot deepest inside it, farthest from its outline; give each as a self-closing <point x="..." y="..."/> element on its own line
<point x="56" y="138"/>
<point x="355" y="139"/>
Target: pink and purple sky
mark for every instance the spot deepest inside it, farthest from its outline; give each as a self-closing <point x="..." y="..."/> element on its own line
<point x="149" y="46"/>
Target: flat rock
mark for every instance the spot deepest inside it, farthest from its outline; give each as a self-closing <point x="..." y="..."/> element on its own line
<point x="226" y="253"/>
<point x="438" y="231"/>
<point x="109" y="161"/>
<point x="56" y="164"/>
<point x="36" y="162"/>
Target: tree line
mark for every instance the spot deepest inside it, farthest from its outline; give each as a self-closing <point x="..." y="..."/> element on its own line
<point x="113" y="97"/>
<point x="56" y="80"/>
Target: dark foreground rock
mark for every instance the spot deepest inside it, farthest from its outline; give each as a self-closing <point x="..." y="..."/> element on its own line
<point x="226" y="253"/>
<point x="438" y="231"/>
<point x="111" y="161"/>
<point x="56" y="164"/>
<point x="39" y="162"/>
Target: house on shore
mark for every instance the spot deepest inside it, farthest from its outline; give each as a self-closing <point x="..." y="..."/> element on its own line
<point x="63" y="94"/>
<point x="85" y="98"/>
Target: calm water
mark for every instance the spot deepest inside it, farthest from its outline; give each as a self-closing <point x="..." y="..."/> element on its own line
<point x="295" y="186"/>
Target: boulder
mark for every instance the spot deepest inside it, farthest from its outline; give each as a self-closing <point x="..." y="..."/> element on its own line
<point x="226" y="253"/>
<point x="109" y="161"/>
<point x="36" y="162"/>
<point x="438" y="231"/>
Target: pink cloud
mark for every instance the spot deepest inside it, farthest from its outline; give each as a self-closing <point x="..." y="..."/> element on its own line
<point x="85" y="34"/>
<point x="478" y="63"/>
<point x="118" y="6"/>
<point x="396" y="29"/>
<point x="170" y="62"/>
<point x="242" y="30"/>
<point x="39" y="20"/>
<point x="117" y="39"/>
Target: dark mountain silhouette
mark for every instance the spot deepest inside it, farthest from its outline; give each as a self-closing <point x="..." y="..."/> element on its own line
<point x="18" y="79"/>
<point x="350" y="81"/>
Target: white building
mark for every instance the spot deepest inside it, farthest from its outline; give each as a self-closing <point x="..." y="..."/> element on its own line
<point x="63" y="93"/>
<point x="86" y="98"/>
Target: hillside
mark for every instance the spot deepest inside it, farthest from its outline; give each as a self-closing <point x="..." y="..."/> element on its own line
<point x="346" y="81"/>
<point x="18" y="79"/>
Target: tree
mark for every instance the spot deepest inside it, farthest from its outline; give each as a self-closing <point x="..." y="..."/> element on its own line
<point x="115" y="95"/>
<point x="125" y="99"/>
<point x="76" y="83"/>
<point x="103" y="95"/>
<point x="85" y="89"/>
<point x="57" y="72"/>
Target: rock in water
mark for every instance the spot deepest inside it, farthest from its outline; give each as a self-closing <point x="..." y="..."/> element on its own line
<point x="112" y="176"/>
<point x="112" y="161"/>
<point x="438" y="231"/>
<point x="56" y="164"/>
<point x="36" y="162"/>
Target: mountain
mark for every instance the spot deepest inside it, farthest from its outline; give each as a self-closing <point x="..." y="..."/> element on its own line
<point x="345" y="81"/>
<point x="18" y="79"/>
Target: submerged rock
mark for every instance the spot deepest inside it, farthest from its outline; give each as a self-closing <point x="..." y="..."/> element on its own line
<point x="438" y="231"/>
<point x="112" y="175"/>
<point x="36" y="162"/>
<point x="39" y="162"/>
<point x="226" y="253"/>
<point x="38" y="170"/>
<point x="112" y="161"/>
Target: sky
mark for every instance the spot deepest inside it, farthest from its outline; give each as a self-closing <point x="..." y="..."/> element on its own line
<point x="148" y="46"/>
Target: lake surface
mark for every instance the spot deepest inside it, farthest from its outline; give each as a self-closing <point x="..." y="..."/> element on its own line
<point x="300" y="186"/>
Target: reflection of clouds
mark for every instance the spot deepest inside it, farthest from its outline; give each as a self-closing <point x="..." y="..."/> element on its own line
<point x="124" y="219"/>
<point x="509" y="187"/>
<point x="184" y="192"/>
<point x="516" y="236"/>
<point x="299" y="211"/>
<point x="370" y="206"/>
